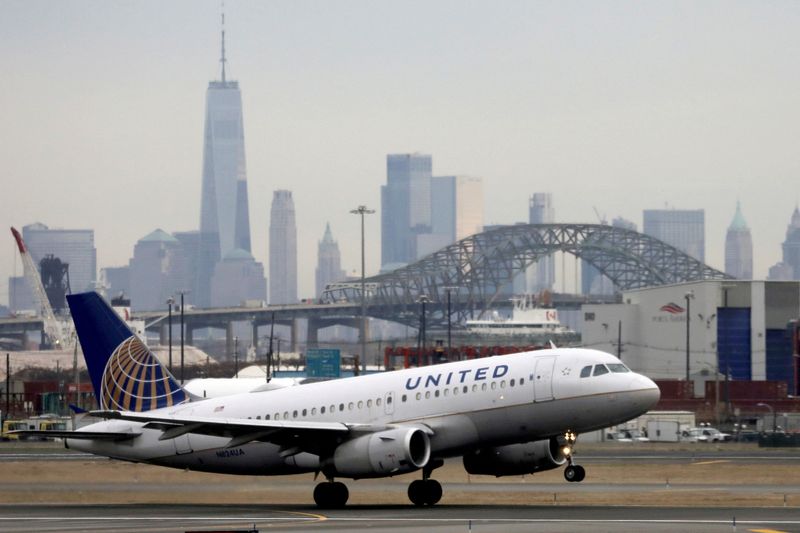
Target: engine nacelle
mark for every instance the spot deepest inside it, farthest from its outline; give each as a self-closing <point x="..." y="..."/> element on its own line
<point x="394" y="451"/>
<point x="516" y="459"/>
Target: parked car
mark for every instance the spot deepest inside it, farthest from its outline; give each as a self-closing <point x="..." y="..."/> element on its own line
<point x="627" y="435"/>
<point x="704" y="434"/>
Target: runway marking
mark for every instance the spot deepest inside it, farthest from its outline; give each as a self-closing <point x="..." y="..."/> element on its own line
<point x="767" y="531"/>
<point x="711" y="462"/>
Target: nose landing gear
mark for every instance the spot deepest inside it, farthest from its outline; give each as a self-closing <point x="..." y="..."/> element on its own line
<point x="572" y="473"/>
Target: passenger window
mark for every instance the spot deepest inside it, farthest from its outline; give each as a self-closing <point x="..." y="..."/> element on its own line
<point x="266" y="417"/>
<point x="277" y="416"/>
<point x="618" y="368"/>
<point x="294" y="414"/>
<point x="455" y="391"/>
<point x="427" y="394"/>
<point x="322" y="410"/>
<point x="511" y="383"/>
<point x="350" y="406"/>
<point x="521" y="381"/>
<point x="361" y="402"/>
<point x="369" y="403"/>
<point x="258" y="417"/>
<point x="475" y="387"/>
<point x="333" y="409"/>
<point x="378" y="402"/>
<point x="313" y="411"/>
<point x="388" y="399"/>
<point x="599" y="370"/>
<point x="494" y="385"/>
<point x="304" y="412"/>
<point x="466" y="389"/>
<point x="436" y="393"/>
<point x="586" y="371"/>
<point x="419" y="396"/>
<point x="483" y="387"/>
<point x="341" y="407"/>
<point x="503" y="384"/>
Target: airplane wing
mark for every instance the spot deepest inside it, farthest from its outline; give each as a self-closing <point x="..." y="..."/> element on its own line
<point x="292" y="436"/>
<point x="84" y="435"/>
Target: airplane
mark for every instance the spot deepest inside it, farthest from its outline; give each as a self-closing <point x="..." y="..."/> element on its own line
<point x="504" y="415"/>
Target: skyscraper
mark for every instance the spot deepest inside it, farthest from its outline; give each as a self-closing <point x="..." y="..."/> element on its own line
<point x="456" y="212"/>
<point x="329" y="262"/>
<point x="685" y="229"/>
<point x="789" y="268"/>
<point x="739" y="247"/>
<point x="282" y="250"/>
<point x="405" y="206"/>
<point x="224" y="212"/>
<point x="158" y="270"/>
<point x="237" y="278"/>
<point x="542" y="275"/>
<point x="73" y="246"/>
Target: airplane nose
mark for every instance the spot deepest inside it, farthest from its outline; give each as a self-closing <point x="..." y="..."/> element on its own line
<point x="648" y="391"/>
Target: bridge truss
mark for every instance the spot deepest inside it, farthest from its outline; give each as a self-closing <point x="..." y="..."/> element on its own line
<point x="474" y="269"/>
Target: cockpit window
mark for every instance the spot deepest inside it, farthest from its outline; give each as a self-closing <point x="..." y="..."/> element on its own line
<point x="599" y="370"/>
<point x="618" y="368"/>
<point x="586" y="371"/>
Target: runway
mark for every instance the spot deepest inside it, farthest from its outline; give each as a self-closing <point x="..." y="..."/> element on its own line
<point x="628" y="489"/>
<point x="440" y="519"/>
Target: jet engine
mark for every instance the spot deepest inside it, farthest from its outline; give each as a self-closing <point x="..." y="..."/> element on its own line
<point x="516" y="459"/>
<point x="394" y="451"/>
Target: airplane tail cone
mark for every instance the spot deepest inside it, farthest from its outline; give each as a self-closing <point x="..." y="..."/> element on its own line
<point x="125" y="374"/>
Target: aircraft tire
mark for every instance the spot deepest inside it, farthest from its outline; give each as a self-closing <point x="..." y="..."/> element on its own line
<point x="329" y="495"/>
<point x="581" y="473"/>
<point x="571" y="473"/>
<point x="433" y="492"/>
<point x="416" y="492"/>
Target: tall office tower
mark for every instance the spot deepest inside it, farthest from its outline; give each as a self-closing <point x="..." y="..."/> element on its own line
<point x="158" y="271"/>
<point x="592" y="281"/>
<point x="542" y="275"/>
<point x="739" y="247"/>
<point x="237" y="279"/>
<point x="116" y="281"/>
<point x="791" y="246"/>
<point x="72" y="246"/>
<point x="456" y="212"/>
<point x="329" y="262"/>
<point x="405" y="207"/>
<point x="685" y="229"/>
<point x="282" y="250"/>
<point x="224" y="212"/>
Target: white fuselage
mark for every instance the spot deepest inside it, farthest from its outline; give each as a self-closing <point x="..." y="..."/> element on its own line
<point x="464" y="405"/>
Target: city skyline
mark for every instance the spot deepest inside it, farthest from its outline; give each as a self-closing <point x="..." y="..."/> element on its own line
<point x="597" y="104"/>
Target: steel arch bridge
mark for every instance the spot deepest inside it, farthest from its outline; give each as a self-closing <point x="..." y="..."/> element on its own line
<point x="475" y="268"/>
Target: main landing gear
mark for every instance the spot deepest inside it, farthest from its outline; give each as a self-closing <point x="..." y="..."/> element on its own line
<point x="426" y="491"/>
<point x="572" y="473"/>
<point x="331" y="494"/>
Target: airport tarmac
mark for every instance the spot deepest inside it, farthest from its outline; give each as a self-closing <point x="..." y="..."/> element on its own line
<point x="628" y="488"/>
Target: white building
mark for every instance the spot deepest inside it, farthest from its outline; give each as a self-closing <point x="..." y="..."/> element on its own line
<point x="743" y="323"/>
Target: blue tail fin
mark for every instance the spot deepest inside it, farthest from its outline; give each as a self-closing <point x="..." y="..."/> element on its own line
<point x="125" y="374"/>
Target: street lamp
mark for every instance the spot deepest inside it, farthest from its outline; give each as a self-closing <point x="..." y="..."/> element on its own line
<point x="774" y="417"/>
<point x="170" y="301"/>
<point x="361" y="211"/>
<point x="689" y="296"/>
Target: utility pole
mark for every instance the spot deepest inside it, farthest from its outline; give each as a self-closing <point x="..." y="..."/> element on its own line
<point x="689" y="295"/>
<point x="182" y="335"/>
<point x="619" y="340"/>
<point x="236" y="356"/>
<point x="449" y="324"/>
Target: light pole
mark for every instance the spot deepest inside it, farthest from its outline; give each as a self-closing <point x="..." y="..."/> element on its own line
<point x="774" y="417"/>
<point x="361" y="211"/>
<point x="236" y="357"/>
<point x="689" y="295"/>
<point x="170" y="301"/>
<point x="449" y="325"/>
<point x="182" y="293"/>
<point x="423" y="299"/>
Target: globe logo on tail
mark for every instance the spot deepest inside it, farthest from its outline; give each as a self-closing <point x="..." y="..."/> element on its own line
<point x="135" y="380"/>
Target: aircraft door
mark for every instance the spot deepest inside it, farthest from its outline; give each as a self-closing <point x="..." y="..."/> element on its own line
<point x="388" y="403"/>
<point x="543" y="379"/>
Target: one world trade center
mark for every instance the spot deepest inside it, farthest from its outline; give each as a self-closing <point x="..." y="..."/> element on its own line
<point x="224" y="214"/>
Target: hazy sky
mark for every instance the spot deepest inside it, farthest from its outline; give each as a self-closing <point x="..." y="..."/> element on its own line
<point x="619" y="105"/>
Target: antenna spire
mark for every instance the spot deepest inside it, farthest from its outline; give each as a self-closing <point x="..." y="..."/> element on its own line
<point x="222" y="59"/>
